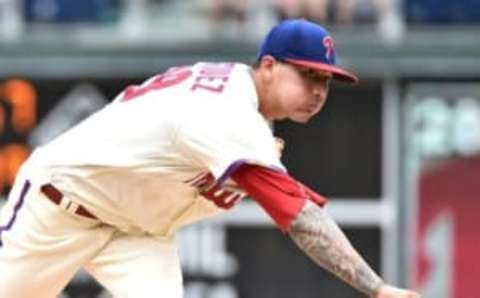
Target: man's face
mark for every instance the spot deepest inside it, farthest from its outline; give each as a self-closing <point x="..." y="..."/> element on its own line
<point x="298" y="92"/>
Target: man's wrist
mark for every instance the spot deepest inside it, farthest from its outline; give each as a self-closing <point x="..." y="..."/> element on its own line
<point x="377" y="289"/>
<point x="369" y="283"/>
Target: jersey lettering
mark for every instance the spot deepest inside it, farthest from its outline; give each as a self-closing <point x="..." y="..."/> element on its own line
<point x="209" y="188"/>
<point x="211" y="85"/>
<point x="171" y="77"/>
<point x="213" y="77"/>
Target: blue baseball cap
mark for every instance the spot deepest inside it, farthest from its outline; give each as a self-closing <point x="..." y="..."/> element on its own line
<point x="304" y="43"/>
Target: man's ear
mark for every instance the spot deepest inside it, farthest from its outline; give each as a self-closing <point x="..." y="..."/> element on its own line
<point x="267" y="61"/>
<point x="266" y="64"/>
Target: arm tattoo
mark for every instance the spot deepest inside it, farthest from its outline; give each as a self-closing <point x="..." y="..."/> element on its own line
<point x="321" y="239"/>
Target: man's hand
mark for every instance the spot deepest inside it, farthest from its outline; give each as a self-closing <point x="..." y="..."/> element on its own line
<point x="280" y="144"/>
<point x="387" y="291"/>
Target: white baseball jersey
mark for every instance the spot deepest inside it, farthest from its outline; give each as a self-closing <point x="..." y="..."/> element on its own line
<point x="147" y="161"/>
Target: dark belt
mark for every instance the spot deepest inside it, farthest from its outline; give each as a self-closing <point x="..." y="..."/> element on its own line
<point x="54" y="195"/>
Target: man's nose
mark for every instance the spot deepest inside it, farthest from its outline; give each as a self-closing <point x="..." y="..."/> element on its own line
<point x="318" y="91"/>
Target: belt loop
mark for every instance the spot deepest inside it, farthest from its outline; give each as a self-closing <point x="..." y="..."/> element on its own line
<point x="55" y="196"/>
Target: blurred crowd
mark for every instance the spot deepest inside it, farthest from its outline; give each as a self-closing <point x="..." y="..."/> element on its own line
<point x="324" y="11"/>
<point x="337" y="12"/>
<point x="220" y="14"/>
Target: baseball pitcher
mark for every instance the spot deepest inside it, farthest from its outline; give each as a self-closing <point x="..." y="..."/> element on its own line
<point x="109" y="194"/>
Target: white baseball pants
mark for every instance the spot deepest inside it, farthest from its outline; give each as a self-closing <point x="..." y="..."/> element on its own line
<point x="43" y="246"/>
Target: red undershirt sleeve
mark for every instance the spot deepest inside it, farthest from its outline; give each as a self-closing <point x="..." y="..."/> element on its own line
<point x="280" y="195"/>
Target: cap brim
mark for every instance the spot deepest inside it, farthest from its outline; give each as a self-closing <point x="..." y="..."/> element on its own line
<point x="337" y="72"/>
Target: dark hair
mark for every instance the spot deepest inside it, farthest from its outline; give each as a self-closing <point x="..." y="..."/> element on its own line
<point x="255" y="65"/>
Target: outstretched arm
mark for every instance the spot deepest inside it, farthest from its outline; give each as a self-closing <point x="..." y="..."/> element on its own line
<point x="314" y="231"/>
<point x="297" y="210"/>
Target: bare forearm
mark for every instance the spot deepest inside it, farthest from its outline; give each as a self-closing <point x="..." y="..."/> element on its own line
<point x="321" y="239"/>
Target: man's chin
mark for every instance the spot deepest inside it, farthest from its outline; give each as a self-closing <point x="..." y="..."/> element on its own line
<point x="301" y="119"/>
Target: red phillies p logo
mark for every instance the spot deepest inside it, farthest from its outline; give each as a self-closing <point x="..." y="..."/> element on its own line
<point x="328" y="44"/>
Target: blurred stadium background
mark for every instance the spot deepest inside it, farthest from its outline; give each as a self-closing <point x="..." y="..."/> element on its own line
<point x="398" y="155"/>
